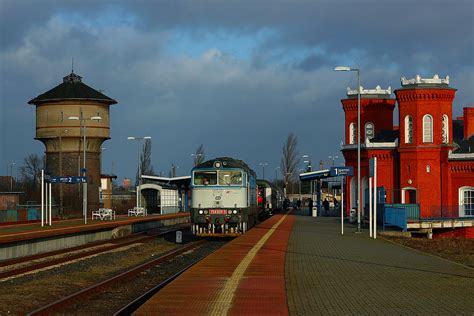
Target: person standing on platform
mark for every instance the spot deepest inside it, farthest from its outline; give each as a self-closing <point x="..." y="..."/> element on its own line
<point x="310" y="206"/>
<point x="326" y="206"/>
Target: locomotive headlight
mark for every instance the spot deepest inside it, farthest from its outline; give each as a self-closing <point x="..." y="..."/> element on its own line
<point x="201" y="212"/>
<point x="235" y="212"/>
<point x="205" y="212"/>
<point x="229" y="212"/>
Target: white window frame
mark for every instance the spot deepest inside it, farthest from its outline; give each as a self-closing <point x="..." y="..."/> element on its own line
<point x="445" y="129"/>
<point x="462" y="201"/>
<point x="352" y="133"/>
<point x="408" y="129"/>
<point x="427" y="129"/>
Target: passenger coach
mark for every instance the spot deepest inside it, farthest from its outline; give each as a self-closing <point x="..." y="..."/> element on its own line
<point x="224" y="198"/>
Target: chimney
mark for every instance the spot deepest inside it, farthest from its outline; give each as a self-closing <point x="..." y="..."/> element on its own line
<point x="468" y="121"/>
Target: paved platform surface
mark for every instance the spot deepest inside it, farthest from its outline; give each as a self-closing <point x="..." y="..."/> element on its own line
<point x="299" y="265"/>
<point x="29" y="231"/>
<point x="331" y="274"/>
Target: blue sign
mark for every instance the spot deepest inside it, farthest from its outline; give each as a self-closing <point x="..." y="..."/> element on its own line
<point x="342" y="171"/>
<point x="68" y="180"/>
<point x="371" y="167"/>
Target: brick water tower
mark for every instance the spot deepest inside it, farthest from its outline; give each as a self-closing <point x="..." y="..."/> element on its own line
<point x="63" y="115"/>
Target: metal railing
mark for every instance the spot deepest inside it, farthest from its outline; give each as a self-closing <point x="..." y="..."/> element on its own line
<point x="449" y="212"/>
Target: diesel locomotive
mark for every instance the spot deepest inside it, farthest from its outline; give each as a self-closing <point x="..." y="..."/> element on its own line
<point x="224" y="198"/>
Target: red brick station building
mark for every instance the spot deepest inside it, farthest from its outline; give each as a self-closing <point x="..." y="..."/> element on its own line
<point x="427" y="160"/>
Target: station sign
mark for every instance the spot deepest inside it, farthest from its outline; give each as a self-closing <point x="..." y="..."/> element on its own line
<point x="342" y="171"/>
<point x="68" y="180"/>
<point x="371" y="167"/>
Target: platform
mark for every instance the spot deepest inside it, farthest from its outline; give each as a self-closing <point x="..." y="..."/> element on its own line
<point x="299" y="265"/>
<point x="19" y="240"/>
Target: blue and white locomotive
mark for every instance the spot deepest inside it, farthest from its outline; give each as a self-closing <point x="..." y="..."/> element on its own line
<point x="224" y="198"/>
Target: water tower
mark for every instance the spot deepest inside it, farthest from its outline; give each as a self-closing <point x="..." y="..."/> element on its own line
<point x="63" y="115"/>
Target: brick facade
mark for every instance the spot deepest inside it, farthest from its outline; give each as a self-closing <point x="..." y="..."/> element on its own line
<point x="411" y="168"/>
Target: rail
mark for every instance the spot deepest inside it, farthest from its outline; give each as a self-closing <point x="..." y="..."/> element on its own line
<point x="128" y="240"/>
<point x="66" y="301"/>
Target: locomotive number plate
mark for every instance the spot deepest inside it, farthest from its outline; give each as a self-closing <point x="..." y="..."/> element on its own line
<point x="217" y="212"/>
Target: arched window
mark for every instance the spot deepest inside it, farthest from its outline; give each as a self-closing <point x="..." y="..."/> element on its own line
<point x="352" y="134"/>
<point x="369" y="130"/>
<point x="445" y="129"/>
<point x="427" y="129"/>
<point x="466" y="201"/>
<point x="408" y="129"/>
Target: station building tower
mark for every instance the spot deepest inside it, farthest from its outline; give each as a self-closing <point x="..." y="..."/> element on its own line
<point x="426" y="137"/>
<point x="377" y="138"/>
<point x="64" y="142"/>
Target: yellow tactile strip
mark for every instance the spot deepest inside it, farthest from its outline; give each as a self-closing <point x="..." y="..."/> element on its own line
<point x="224" y="300"/>
<point x="221" y="281"/>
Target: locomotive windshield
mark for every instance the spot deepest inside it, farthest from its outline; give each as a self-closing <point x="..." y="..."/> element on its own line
<point x="205" y="177"/>
<point x="230" y="177"/>
<point x="217" y="177"/>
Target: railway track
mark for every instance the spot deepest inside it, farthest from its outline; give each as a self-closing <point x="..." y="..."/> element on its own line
<point x="96" y="289"/>
<point x="21" y="266"/>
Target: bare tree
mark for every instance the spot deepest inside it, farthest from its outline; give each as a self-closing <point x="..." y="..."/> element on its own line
<point x="199" y="155"/>
<point x="31" y="170"/>
<point x="145" y="161"/>
<point x="289" y="160"/>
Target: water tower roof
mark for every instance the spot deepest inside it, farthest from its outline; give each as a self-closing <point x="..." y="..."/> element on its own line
<point x="72" y="88"/>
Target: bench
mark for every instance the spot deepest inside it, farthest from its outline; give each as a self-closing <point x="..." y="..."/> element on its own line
<point x="137" y="211"/>
<point x="103" y="213"/>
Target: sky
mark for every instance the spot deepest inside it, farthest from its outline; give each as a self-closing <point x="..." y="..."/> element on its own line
<point x="236" y="76"/>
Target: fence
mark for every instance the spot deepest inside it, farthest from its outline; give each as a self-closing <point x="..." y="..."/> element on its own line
<point x="449" y="212"/>
<point x="400" y="214"/>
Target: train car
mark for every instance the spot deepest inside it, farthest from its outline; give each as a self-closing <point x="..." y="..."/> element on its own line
<point x="270" y="199"/>
<point x="224" y="198"/>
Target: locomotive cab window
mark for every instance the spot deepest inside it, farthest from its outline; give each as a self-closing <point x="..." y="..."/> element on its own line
<point x="230" y="177"/>
<point x="205" y="178"/>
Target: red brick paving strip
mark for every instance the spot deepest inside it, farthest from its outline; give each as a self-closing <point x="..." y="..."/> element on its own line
<point x="261" y="292"/>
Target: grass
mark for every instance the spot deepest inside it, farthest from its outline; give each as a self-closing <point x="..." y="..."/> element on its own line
<point x="460" y="250"/>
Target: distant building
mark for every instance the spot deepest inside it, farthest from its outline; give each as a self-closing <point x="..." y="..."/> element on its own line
<point x="428" y="160"/>
<point x="64" y="138"/>
<point x="126" y="183"/>
<point x="106" y="188"/>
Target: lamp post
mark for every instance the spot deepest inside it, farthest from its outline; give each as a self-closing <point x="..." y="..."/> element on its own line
<point x="299" y="180"/>
<point x="332" y="158"/>
<point x="61" y="169"/>
<point x="309" y="167"/>
<point x="138" y="139"/>
<point x="276" y="176"/>
<point x="263" y="164"/>
<point x="11" y="175"/>
<point x="344" y="68"/>
<point x="83" y="120"/>
<point x="101" y="150"/>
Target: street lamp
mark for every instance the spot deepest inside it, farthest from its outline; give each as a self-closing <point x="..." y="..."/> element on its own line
<point x="139" y="139"/>
<point x="276" y="176"/>
<point x="299" y="180"/>
<point x="61" y="169"/>
<point x="343" y="68"/>
<point x="333" y="158"/>
<point x="11" y="175"/>
<point x="83" y="120"/>
<point x="307" y="161"/>
<point x="263" y="164"/>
